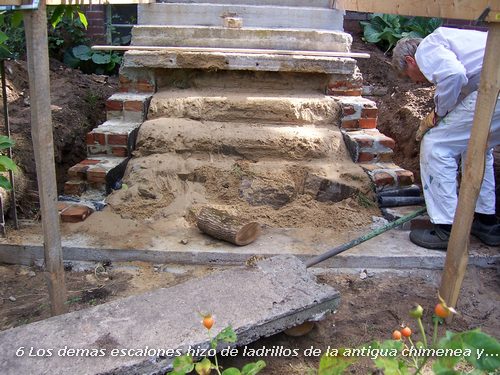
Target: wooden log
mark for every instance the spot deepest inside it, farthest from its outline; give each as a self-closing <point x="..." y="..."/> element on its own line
<point x="219" y="224"/>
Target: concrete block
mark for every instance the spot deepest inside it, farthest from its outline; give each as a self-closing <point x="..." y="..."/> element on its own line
<point x="259" y="301"/>
<point x="264" y="16"/>
<point x="288" y="3"/>
<point x="220" y="37"/>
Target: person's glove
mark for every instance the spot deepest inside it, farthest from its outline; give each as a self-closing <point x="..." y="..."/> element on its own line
<point x="426" y="123"/>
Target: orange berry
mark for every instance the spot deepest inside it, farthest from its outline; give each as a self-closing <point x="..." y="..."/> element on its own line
<point x="442" y="311"/>
<point x="208" y="321"/>
<point x="396" y="335"/>
<point x="406" y="332"/>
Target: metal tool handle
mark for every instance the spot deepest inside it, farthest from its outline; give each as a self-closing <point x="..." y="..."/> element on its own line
<point x="340" y="249"/>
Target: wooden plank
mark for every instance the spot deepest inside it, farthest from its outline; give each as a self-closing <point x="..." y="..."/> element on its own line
<point x="97" y="2"/>
<point x="35" y="22"/>
<point x="459" y="9"/>
<point x="457" y="254"/>
<point x="233" y="50"/>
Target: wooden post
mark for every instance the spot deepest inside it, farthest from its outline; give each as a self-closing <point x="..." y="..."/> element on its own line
<point x="457" y="254"/>
<point x="35" y="22"/>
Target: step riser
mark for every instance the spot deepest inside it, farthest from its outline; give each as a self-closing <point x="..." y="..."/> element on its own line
<point x="288" y="3"/>
<point x="115" y="143"/>
<point x="252" y="110"/>
<point x="215" y="37"/>
<point x="253" y="16"/>
<point x="254" y="143"/>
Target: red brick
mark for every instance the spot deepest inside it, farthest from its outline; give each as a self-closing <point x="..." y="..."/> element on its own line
<point x="133" y="105"/>
<point x="117" y="139"/>
<point x="369" y="112"/>
<point x="348" y="110"/>
<point x="365" y="156"/>
<point x="405" y="177"/>
<point x="364" y="141"/>
<point x="93" y="138"/>
<point x="387" y="142"/>
<point x="78" y="170"/>
<point x="61" y="206"/>
<point x="74" y="187"/>
<point x="124" y="79"/>
<point x="89" y="162"/>
<point x="89" y="138"/>
<point x="367" y="123"/>
<point x="145" y="87"/>
<point x="75" y="214"/>
<point x="382" y="179"/>
<point x="344" y="92"/>
<point x="342" y="85"/>
<point x="96" y="175"/>
<point x="114" y="105"/>
<point x="119" y="151"/>
<point x="350" y="124"/>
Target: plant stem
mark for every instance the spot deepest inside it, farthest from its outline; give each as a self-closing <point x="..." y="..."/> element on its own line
<point x="415" y="361"/>
<point x="422" y="331"/>
<point x="215" y="356"/>
<point x="434" y="334"/>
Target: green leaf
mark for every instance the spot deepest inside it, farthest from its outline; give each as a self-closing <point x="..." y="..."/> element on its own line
<point x="227" y="335"/>
<point x="57" y="15"/>
<point x="6" y="142"/>
<point x="82" y="52"/>
<point x="7" y="164"/>
<point x="71" y="60"/>
<point x="3" y="37"/>
<point x="231" y="371"/>
<point x="183" y="363"/>
<point x="335" y="365"/>
<point x="253" y="368"/>
<point x="204" y="367"/>
<point x="83" y="19"/>
<point x="483" y="345"/>
<point x="4" y="183"/>
<point x="101" y="58"/>
<point x="17" y="18"/>
<point x="5" y="53"/>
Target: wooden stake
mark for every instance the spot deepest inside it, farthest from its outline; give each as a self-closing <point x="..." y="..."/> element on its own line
<point x="457" y="254"/>
<point x="35" y="22"/>
<point x="221" y="225"/>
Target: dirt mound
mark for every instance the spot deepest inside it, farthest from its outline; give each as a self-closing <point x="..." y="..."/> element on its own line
<point x="78" y="105"/>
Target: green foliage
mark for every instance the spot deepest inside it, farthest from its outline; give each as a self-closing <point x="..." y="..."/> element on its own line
<point x="6" y="163"/>
<point x="386" y="29"/>
<point x="89" y="61"/>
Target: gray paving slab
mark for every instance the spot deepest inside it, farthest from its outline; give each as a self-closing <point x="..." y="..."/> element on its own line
<point x="257" y="301"/>
<point x="266" y="16"/>
<point x="288" y="3"/>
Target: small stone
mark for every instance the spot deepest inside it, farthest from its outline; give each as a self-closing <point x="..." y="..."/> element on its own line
<point x="370" y="274"/>
<point x="31" y="274"/>
<point x="12" y="299"/>
<point x="184" y="241"/>
<point x="363" y="275"/>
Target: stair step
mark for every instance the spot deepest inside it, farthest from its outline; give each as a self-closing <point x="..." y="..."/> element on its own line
<point x="239" y="61"/>
<point x="220" y="37"/>
<point x="266" y="16"/>
<point x="386" y="175"/>
<point x="114" y="137"/>
<point x="97" y="172"/>
<point x="289" y="3"/>
<point x="249" y="141"/>
<point x="246" y="106"/>
<point x="266" y="182"/>
<point x="130" y="107"/>
<point x="73" y="212"/>
<point x="368" y="145"/>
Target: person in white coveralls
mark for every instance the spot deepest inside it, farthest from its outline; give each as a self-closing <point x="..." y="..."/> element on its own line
<point x="452" y="60"/>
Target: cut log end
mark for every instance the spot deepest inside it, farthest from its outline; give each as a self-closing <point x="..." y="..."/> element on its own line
<point x="221" y="225"/>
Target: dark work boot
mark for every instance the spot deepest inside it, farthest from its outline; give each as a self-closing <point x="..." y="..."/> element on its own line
<point x="435" y="239"/>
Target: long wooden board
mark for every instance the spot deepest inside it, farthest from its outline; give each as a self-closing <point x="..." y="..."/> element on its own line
<point x="233" y="50"/>
<point x="459" y="9"/>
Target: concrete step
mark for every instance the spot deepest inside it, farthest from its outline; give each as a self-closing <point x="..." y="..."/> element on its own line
<point x="369" y="145"/>
<point x="386" y="175"/>
<point x="114" y="137"/>
<point x="246" y="140"/>
<point x="279" y="293"/>
<point x="98" y="172"/>
<point x="265" y="16"/>
<point x="131" y="107"/>
<point x="238" y="61"/>
<point x="297" y="108"/>
<point x="158" y="34"/>
<point x="273" y="183"/>
<point x="288" y="3"/>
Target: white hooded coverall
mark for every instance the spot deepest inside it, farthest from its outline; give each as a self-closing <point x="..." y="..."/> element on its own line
<point x="452" y="59"/>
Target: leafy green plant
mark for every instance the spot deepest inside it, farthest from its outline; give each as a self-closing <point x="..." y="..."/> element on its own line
<point x="90" y="61"/>
<point x="402" y="356"/>
<point x="185" y="364"/>
<point x="6" y="163"/>
<point x="386" y="29"/>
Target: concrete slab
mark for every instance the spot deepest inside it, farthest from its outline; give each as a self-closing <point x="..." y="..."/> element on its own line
<point x="238" y="61"/>
<point x="220" y="37"/>
<point x="289" y="3"/>
<point x="250" y="141"/>
<point x="391" y="250"/>
<point x="259" y="301"/>
<point x="266" y="16"/>
<point x="233" y="105"/>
